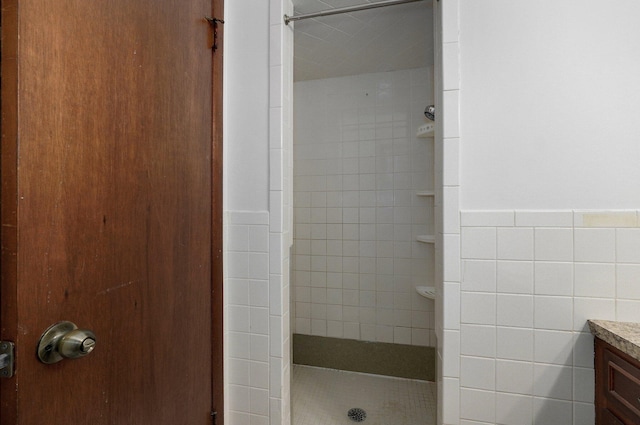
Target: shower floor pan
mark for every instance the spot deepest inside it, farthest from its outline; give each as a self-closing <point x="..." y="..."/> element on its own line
<point x="326" y="396"/>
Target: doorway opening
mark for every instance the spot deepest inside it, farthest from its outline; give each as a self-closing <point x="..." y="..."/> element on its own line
<point x="363" y="203"/>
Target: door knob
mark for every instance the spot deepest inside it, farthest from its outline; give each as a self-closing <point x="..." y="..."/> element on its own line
<point x="65" y="340"/>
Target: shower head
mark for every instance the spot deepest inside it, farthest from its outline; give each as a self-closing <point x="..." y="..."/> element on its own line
<point x="430" y="112"/>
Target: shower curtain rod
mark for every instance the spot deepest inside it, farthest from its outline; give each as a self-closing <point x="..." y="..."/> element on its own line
<point x="347" y="9"/>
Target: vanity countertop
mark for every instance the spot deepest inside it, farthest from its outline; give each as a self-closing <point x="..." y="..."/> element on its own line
<point x="625" y="336"/>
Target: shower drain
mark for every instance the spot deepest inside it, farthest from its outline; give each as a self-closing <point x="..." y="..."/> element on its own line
<point x="357" y="414"/>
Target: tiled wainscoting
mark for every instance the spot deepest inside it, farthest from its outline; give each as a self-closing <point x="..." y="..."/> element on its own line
<point x="257" y="343"/>
<point x="530" y="280"/>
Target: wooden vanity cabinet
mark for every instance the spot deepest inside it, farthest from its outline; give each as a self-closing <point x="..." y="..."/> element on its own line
<point x="617" y="386"/>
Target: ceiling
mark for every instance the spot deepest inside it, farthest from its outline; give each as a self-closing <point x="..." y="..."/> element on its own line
<point x="375" y="40"/>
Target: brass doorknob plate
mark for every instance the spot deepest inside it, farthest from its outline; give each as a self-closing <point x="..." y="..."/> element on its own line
<point x="65" y="340"/>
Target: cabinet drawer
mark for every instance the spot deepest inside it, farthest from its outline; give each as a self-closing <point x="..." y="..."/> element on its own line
<point x="623" y="382"/>
<point x="624" y="385"/>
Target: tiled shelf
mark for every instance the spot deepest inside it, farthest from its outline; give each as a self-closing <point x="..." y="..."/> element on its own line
<point x="426" y="131"/>
<point x="426" y="238"/>
<point x="427" y="291"/>
<point x="426" y="193"/>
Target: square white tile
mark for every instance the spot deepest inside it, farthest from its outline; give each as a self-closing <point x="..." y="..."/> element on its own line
<point x="554" y="244"/>
<point x="595" y="245"/>
<point x="515" y="244"/>
<point x="514" y="377"/>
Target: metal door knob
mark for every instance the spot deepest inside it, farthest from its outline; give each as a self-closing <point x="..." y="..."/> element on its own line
<point x="65" y="340"/>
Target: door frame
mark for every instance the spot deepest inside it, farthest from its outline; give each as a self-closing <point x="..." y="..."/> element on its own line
<point x="217" y="275"/>
<point x="8" y="188"/>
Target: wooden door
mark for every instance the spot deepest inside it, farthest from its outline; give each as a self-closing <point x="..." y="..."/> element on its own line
<point x="110" y="209"/>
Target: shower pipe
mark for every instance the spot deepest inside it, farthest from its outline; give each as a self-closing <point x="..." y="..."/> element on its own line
<point x="347" y="9"/>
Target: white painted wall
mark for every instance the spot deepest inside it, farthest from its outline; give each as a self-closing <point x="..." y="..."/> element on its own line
<point x="246" y="106"/>
<point x="549" y="104"/>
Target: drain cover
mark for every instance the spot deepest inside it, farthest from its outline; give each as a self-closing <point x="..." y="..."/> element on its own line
<point x="357" y="414"/>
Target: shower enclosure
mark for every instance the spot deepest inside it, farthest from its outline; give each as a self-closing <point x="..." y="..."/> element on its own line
<point x="363" y="195"/>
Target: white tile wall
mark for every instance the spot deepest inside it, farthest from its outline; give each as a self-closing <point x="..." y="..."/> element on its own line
<point x="358" y="166"/>
<point x="528" y="287"/>
<point x="247" y="325"/>
<point x="480" y="276"/>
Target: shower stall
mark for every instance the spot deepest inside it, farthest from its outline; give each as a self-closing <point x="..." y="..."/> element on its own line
<point x="363" y="213"/>
<point x="363" y="258"/>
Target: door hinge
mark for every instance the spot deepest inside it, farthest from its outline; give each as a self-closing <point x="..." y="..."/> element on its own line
<point x="214" y="24"/>
<point x="6" y="359"/>
<point x="214" y="417"/>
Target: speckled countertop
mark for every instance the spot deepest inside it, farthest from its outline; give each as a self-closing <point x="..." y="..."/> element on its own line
<point x="625" y="336"/>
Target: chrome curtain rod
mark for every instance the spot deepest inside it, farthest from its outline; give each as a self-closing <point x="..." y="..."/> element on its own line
<point x="347" y="9"/>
